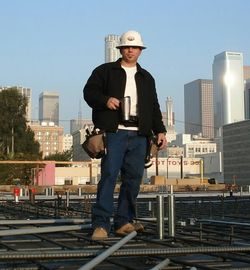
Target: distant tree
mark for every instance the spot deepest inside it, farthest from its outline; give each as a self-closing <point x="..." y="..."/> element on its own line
<point x="17" y="140"/>
<point x="12" y="118"/>
<point x="61" y="156"/>
<point x="27" y="147"/>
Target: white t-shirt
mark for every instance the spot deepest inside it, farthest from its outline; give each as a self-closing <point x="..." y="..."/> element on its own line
<point x="130" y="88"/>
<point x="131" y="91"/>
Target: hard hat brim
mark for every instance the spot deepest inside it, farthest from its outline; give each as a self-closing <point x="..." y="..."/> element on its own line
<point x="120" y="46"/>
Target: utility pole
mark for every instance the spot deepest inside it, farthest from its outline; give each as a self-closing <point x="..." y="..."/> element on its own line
<point x="181" y="167"/>
<point x="12" y="139"/>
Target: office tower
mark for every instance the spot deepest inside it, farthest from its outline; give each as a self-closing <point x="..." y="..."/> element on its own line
<point x="170" y="113"/>
<point x="236" y="153"/>
<point x="168" y="120"/>
<point x="27" y="92"/>
<point x="79" y="123"/>
<point x="49" y="107"/>
<point x="198" y="107"/>
<point x="247" y="99"/>
<point x="246" y="72"/>
<point x="111" y="52"/>
<point x="228" y="87"/>
<point x="76" y="124"/>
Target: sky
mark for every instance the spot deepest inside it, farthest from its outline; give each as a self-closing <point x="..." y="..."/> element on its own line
<point x="51" y="45"/>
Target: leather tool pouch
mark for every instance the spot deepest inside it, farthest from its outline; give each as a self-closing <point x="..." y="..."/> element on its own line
<point x="95" y="143"/>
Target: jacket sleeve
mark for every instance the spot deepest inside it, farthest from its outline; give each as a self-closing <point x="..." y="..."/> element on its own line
<point x="93" y="91"/>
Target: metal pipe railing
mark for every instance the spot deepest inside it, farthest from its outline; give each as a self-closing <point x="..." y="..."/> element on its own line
<point x="171" y="213"/>
<point x="223" y="222"/>
<point x="160" y="216"/>
<point x="161" y="265"/>
<point x="43" y="230"/>
<point x="44" y="221"/>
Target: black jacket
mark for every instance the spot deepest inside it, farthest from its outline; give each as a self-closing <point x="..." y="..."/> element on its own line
<point x="109" y="80"/>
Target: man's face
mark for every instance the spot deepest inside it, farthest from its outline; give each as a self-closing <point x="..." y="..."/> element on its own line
<point x="130" y="54"/>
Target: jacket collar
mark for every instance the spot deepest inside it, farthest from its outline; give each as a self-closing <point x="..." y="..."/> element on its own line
<point x="117" y="64"/>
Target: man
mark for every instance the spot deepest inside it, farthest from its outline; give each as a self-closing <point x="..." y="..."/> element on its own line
<point x="126" y="140"/>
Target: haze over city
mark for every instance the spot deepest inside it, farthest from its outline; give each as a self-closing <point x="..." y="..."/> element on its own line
<point x="54" y="45"/>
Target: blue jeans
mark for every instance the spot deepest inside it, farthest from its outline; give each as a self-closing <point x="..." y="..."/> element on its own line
<point x="125" y="154"/>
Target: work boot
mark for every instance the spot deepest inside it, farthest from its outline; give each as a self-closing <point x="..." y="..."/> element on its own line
<point x="125" y="229"/>
<point x="99" y="234"/>
<point x="138" y="227"/>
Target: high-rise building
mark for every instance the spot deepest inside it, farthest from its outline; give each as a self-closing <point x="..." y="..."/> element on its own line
<point x="236" y="153"/>
<point x="77" y="124"/>
<point x="246" y="72"/>
<point x="198" y="107"/>
<point x="247" y="99"/>
<point x="168" y="119"/>
<point x="169" y="112"/>
<point x="25" y="91"/>
<point x="49" y="136"/>
<point x="111" y="52"/>
<point x="49" y="107"/>
<point x="228" y="87"/>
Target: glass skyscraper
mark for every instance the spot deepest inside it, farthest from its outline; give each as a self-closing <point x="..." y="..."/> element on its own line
<point x="228" y="87"/>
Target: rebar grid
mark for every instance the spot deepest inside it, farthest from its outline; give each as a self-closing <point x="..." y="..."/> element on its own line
<point x="220" y="242"/>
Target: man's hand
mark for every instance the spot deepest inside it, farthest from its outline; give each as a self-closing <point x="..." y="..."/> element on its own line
<point x="161" y="140"/>
<point x="113" y="103"/>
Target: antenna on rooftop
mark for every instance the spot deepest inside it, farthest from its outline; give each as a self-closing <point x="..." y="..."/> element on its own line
<point x="79" y="113"/>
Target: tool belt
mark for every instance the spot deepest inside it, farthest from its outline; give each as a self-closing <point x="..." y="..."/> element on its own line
<point x="132" y="122"/>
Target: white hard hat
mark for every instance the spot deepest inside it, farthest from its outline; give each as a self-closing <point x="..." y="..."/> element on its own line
<point x="131" y="38"/>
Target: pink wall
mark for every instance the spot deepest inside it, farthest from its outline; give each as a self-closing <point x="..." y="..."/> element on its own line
<point x="46" y="175"/>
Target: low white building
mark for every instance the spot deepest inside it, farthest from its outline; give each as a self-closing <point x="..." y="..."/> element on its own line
<point x="88" y="172"/>
<point x="174" y="167"/>
<point x="195" y="145"/>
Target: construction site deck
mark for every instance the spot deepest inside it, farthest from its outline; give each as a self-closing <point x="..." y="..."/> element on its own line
<point x="200" y="229"/>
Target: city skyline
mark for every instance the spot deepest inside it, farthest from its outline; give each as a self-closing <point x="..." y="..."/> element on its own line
<point x="54" y="46"/>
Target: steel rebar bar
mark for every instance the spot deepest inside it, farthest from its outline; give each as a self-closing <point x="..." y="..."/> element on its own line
<point x="32" y="255"/>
